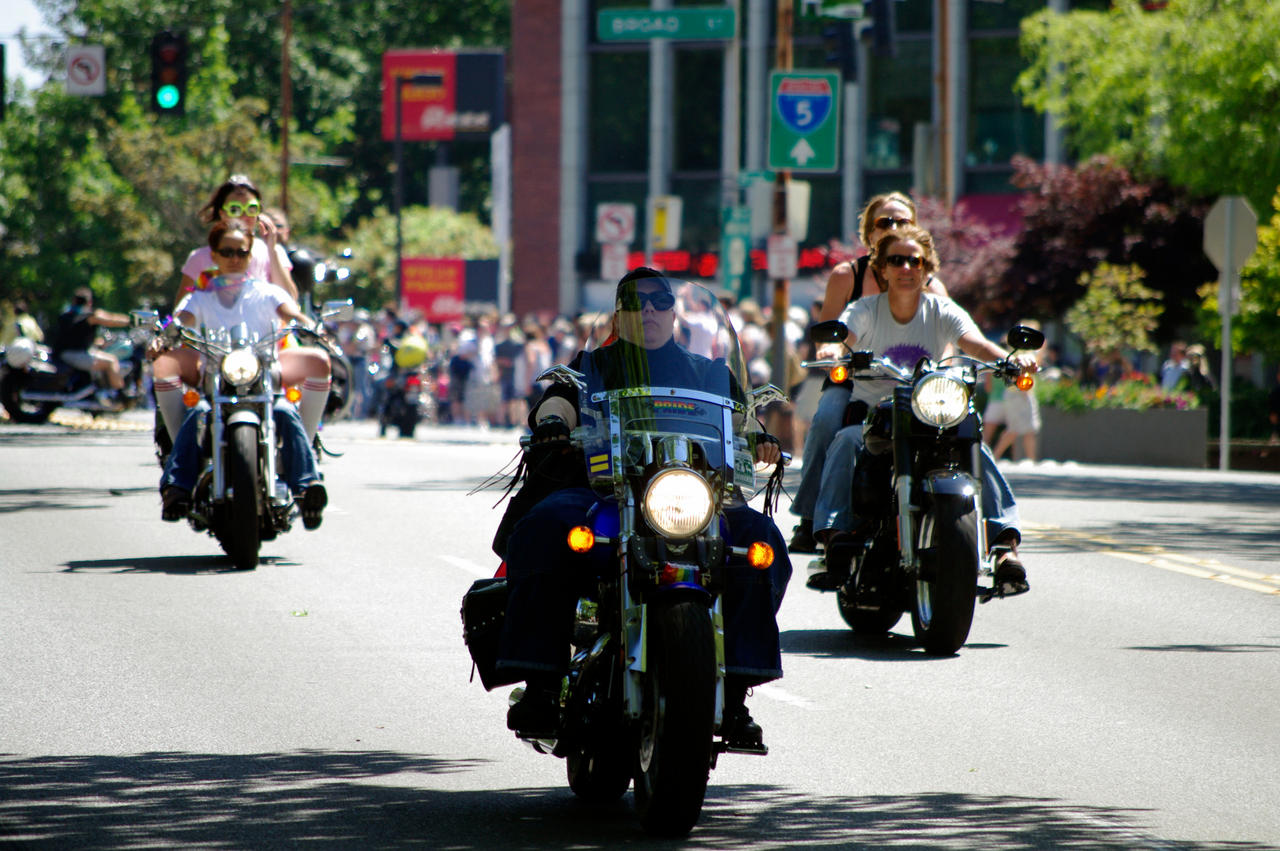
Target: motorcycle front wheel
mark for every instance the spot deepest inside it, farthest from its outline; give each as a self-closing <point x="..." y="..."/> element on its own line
<point x="241" y="535"/>
<point x="945" y="594"/>
<point x="677" y="723"/>
<point x="21" y="411"/>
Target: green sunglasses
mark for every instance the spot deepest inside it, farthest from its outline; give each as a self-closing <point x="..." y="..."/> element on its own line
<point x="235" y="209"/>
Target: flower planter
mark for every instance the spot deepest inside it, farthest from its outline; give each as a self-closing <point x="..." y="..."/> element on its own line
<point x="1157" y="437"/>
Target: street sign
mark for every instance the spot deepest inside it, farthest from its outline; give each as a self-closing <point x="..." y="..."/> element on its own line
<point x="665" y="221"/>
<point x="1230" y="219"/>
<point x="613" y="260"/>
<point x="697" y="23"/>
<point x="804" y="123"/>
<point x="86" y="70"/>
<point x="735" y="249"/>
<point x="616" y="223"/>
<point x="783" y="256"/>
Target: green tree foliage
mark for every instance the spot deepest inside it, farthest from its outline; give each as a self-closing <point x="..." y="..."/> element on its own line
<point x="1190" y="92"/>
<point x="99" y="191"/>
<point x="1075" y="218"/>
<point x="1255" y="325"/>
<point x="1117" y="311"/>
<point x="427" y="232"/>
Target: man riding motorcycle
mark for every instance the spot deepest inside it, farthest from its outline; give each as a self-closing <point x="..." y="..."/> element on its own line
<point x="227" y="300"/>
<point x="73" y="338"/>
<point x="543" y="573"/>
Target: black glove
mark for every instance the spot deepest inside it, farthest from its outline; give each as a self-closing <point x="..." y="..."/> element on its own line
<point x="551" y="429"/>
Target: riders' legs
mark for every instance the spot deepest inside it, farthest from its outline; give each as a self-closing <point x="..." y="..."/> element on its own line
<point x="826" y="422"/>
<point x="833" y="510"/>
<point x="297" y="461"/>
<point x="998" y="506"/>
<point x="110" y="367"/>
<point x="168" y="373"/>
<point x="308" y="366"/>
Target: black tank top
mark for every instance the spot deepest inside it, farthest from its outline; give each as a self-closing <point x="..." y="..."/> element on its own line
<point x="74" y="333"/>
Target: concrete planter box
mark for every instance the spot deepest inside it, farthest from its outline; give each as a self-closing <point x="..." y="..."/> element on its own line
<point x="1158" y="437"/>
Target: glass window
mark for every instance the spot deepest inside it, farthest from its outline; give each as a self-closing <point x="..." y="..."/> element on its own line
<point x="1001" y="14"/>
<point x="999" y="125"/>
<point x="699" y="91"/>
<point x="900" y="95"/>
<point x="619" y="134"/>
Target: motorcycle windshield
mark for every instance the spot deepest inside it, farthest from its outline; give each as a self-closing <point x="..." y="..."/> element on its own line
<point x="665" y="383"/>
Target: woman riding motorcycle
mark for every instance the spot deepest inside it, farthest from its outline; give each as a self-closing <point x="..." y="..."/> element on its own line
<point x="542" y="572"/>
<point x="224" y="301"/>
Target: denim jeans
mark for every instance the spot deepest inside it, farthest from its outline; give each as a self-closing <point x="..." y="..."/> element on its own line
<point x="297" y="461"/>
<point x="826" y="422"/>
<point x="546" y="579"/>
<point x="834" y="508"/>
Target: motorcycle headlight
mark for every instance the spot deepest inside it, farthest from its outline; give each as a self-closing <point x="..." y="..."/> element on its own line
<point x="677" y="503"/>
<point x="240" y="367"/>
<point x="940" y="400"/>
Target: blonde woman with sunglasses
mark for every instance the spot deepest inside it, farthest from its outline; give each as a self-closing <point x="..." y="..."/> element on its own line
<point x="238" y="200"/>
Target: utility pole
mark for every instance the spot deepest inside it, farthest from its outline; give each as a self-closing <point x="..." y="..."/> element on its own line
<point x="783" y="61"/>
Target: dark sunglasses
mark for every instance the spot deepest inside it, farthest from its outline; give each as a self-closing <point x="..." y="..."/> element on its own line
<point x="234" y="252"/>
<point x="660" y="300"/>
<point x="911" y="261"/>
<point x="886" y="222"/>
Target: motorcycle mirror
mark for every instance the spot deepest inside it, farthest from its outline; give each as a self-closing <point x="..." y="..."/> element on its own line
<point x="862" y="360"/>
<point x="831" y="331"/>
<point x="1023" y="337"/>
<point x="339" y="309"/>
<point x="144" y="318"/>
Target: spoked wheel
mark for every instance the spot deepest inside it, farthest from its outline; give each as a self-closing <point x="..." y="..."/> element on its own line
<point x="945" y="598"/>
<point x="678" y="719"/>
<point x="867" y="620"/>
<point x="21" y="411"/>
<point x="240" y="536"/>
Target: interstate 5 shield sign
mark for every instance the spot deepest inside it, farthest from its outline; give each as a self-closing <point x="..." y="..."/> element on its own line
<point x="804" y="125"/>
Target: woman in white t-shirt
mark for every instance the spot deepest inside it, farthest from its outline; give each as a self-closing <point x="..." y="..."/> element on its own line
<point x="225" y="299"/>
<point x="239" y="200"/>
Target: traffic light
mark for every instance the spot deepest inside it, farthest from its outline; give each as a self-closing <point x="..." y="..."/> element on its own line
<point x="842" y="49"/>
<point x="883" y="27"/>
<point x="169" y="73"/>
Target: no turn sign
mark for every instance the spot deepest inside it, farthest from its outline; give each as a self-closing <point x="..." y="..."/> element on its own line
<point x="86" y="70"/>
<point x="616" y="223"/>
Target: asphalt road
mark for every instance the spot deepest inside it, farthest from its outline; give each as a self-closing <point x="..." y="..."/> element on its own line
<point x="152" y="697"/>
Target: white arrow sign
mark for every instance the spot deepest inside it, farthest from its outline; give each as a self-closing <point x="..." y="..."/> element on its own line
<point x="802" y="152"/>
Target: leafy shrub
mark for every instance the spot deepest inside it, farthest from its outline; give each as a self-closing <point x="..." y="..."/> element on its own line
<point x="1137" y="392"/>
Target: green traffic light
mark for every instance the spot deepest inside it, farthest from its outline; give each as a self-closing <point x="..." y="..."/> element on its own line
<point x="167" y="96"/>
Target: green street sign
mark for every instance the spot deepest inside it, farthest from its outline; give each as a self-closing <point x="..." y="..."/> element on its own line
<point x="735" y="249"/>
<point x="804" y="120"/>
<point x="689" y="23"/>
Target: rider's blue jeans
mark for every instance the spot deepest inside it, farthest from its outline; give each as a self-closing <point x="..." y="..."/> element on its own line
<point x="826" y="422"/>
<point x="834" y="509"/>
<point x="297" y="461"/>
<point x="545" y="580"/>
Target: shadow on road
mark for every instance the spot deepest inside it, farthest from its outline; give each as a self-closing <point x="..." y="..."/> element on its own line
<point x="843" y="644"/>
<point x="60" y="499"/>
<point x="379" y="799"/>
<point x="178" y="565"/>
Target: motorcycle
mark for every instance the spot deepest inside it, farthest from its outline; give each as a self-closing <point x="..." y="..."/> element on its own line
<point x="33" y="384"/>
<point x="644" y="696"/>
<point x="239" y="497"/>
<point x="403" y="399"/>
<point x="917" y="490"/>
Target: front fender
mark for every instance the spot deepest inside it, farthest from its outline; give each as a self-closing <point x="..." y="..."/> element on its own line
<point x="244" y="416"/>
<point x="953" y="484"/>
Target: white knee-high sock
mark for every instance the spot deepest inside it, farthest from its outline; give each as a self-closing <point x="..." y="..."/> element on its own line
<point x="169" y="401"/>
<point x="315" y="393"/>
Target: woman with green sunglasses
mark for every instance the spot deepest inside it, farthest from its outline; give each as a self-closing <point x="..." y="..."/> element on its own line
<point x="238" y="200"/>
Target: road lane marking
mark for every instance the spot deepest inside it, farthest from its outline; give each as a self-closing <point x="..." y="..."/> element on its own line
<point x="469" y="566"/>
<point x="1159" y="557"/>
<point x="781" y="695"/>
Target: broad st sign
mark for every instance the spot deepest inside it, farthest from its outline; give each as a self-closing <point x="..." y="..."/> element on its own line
<point x="466" y="103"/>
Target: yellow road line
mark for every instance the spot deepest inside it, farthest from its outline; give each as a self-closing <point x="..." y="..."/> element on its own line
<point x="1159" y="557"/>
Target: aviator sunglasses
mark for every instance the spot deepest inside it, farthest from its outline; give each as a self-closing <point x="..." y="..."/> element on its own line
<point x="911" y="261"/>
<point x="660" y="300"/>
<point x="886" y="222"/>
<point x="235" y="209"/>
<point x="234" y="252"/>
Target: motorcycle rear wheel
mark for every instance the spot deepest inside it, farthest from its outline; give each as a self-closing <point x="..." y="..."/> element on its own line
<point x="678" y="719"/>
<point x="241" y="533"/>
<point x="32" y="413"/>
<point x="943" y="609"/>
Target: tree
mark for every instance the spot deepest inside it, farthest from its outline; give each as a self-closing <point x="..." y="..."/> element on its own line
<point x="1255" y="327"/>
<point x="1190" y="92"/>
<point x="1076" y="218"/>
<point x="1117" y="312"/>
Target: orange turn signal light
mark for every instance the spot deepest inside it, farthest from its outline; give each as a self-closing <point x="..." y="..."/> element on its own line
<point x="191" y="398"/>
<point x="581" y="539"/>
<point x="1025" y="381"/>
<point x="293" y="394"/>
<point x="839" y="374"/>
<point x="759" y="555"/>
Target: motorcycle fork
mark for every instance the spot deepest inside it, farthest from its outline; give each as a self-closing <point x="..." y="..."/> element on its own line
<point x="904" y="479"/>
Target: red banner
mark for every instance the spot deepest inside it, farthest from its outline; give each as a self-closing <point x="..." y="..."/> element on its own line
<point x="428" y="112"/>
<point x="435" y="286"/>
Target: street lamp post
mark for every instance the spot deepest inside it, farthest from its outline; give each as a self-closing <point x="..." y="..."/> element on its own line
<point x="413" y="80"/>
